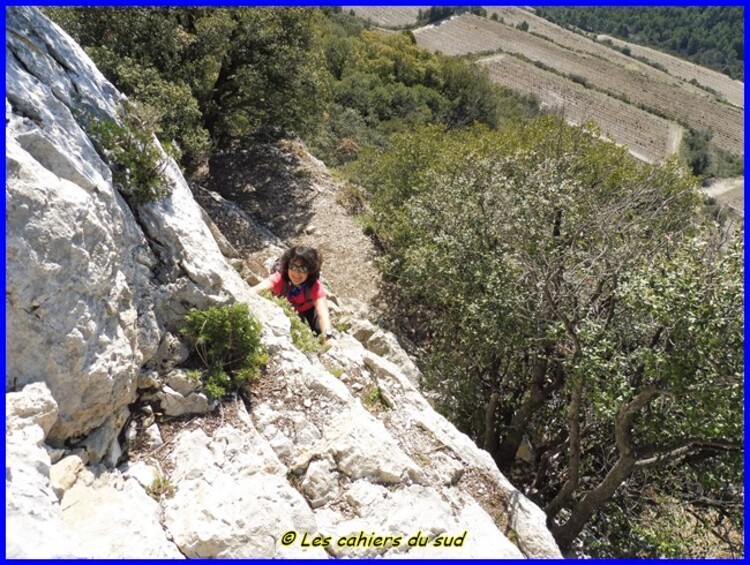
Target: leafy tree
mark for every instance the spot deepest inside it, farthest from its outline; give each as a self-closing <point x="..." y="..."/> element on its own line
<point x="269" y="76"/>
<point x="437" y="13"/>
<point x="218" y="73"/>
<point x="575" y="297"/>
<point x="384" y="83"/>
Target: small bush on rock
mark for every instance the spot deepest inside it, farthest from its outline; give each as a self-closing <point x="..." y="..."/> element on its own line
<point x="128" y="147"/>
<point x="302" y="336"/>
<point x="227" y="341"/>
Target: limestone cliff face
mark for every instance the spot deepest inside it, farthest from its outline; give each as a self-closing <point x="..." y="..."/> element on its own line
<point x="95" y="291"/>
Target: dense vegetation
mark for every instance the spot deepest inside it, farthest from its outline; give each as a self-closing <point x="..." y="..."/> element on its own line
<point x="210" y="76"/>
<point x="565" y="294"/>
<point x="712" y="36"/>
<point x="383" y="83"/>
<point x="571" y="296"/>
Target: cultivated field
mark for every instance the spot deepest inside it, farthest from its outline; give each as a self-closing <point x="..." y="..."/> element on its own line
<point x="648" y="137"/>
<point x="634" y="82"/>
<point x="388" y="17"/>
<point x="732" y="90"/>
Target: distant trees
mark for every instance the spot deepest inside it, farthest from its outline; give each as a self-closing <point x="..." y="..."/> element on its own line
<point x="437" y="13"/>
<point x="712" y="36"/>
<point x="384" y="83"/>
<point x="571" y="296"/>
<point x="704" y="159"/>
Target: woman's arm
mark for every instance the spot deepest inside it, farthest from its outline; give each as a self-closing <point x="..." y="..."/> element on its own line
<point x="324" y="319"/>
<point x="265" y="284"/>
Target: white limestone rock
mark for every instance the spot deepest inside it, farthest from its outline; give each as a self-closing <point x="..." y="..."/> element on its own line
<point x="78" y="307"/>
<point x="34" y="528"/>
<point x="180" y="382"/>
<point x="233" y="498"/>
<point x="64" y="474"/>
<point x="111" y="517"/>
<point x="175" y="404"/>
<point x="142" y="472"/>
<point x="320" y="484"/>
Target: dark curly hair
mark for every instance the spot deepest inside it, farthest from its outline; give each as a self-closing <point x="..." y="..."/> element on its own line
<point x="307" y="256"/>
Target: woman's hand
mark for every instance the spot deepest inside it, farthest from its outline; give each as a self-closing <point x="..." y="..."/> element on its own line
<point x="324" y="319"/>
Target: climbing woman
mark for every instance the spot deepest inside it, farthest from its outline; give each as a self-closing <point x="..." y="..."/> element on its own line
<point x="296" y="279"/>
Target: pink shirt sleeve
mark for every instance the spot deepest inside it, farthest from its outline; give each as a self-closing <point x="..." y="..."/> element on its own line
<point x="277" y="281"/>
<point x="317" y="291"/>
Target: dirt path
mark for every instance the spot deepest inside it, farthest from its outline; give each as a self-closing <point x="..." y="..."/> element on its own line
<point x="730" y="192"/>
<point x="294" y="196"/>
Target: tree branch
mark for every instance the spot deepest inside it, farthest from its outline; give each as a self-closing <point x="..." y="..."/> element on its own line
<point x="653" y="455"/>
<point x="574" y="456"/>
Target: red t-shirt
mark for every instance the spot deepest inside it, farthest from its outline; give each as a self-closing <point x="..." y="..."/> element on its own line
<point x="299" y="302"/>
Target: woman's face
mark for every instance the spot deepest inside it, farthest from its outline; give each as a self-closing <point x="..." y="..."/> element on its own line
<point x="297" y="272"/>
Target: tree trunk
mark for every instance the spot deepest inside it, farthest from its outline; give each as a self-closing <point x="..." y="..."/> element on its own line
<point x="567" y="532"/>
<point x="574" y="451"/>
<point x="506" y="453"/>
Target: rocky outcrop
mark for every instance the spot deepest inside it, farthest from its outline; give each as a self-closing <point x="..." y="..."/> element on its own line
<point x="92" y="285"/>
<point x="330" y="452"/>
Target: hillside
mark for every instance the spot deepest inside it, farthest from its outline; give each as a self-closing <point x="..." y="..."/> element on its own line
<point x="637" y="105"/>
<point x="116" y="449"/>
<point x="637" y="84"/>
<point x="575" y="344"/>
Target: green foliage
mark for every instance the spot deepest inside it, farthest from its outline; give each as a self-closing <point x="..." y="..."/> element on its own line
<point x="712" y="36"/>
<point x="706" y="160"/>
<point x="161" y="487"/>
<point x="372" y="399"/>
<point x="540" y="261"/>
<point x="213" y="75"/>
<point x="227" y="341"/>
<point x="303" y="337"/>
<point x="336" y="371"/>
<point x="437" y="13"/>
<point x="177" y="118"/>
<point x="384" y="84"/>
<point x="129" y="148"/>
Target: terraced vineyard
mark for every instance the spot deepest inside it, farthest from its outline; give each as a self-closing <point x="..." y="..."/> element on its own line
<point x="389" y="17"/>
<point x="638" y="84"/>
<point x="732" y="90"/>
<point x="646" y="136"/>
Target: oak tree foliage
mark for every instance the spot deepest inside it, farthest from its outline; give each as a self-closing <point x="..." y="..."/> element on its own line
<point x="573" y="297"/>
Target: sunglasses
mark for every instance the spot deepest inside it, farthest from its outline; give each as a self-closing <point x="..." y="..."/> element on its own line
<point x="298" y="268"/>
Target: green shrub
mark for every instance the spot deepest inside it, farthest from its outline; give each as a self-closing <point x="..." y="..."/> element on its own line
<point x="161" y="487"/>
<point x="128" y="148"/>
<point x="302" y="336"/>
<point x="579" y="79"/>
<point x="372" y="399"/>
<point x="336" y="371"/>
<point x="227" y="341"/>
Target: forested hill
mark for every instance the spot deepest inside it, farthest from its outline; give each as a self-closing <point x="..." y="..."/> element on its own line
<point x="712" y="36"/>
